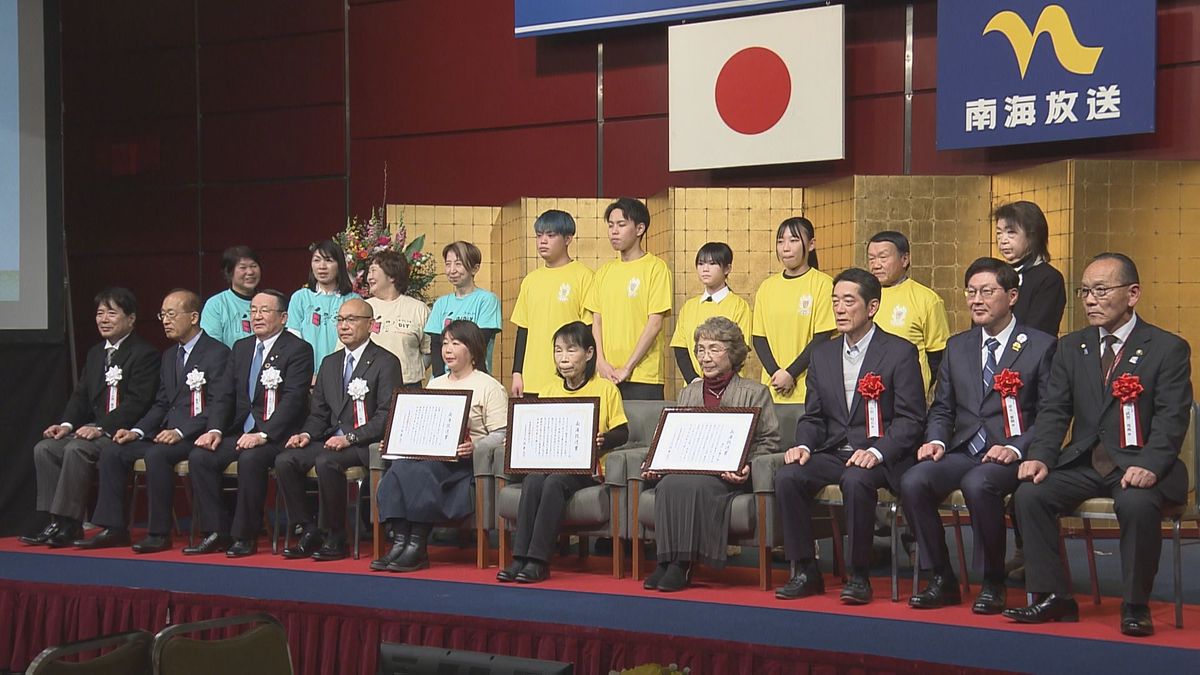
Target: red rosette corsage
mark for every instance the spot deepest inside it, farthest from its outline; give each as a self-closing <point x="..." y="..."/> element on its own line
<point x="1007" y="382"/>
<point x="870" y="386"/>
<point x="1127" y="388"/>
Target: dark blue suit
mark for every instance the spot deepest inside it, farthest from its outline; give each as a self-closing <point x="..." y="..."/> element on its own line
<point x="828" y="425"/>
<point x="172" y="409"/>
<point x="293" y="358"/>
<point x="960" y="408"/>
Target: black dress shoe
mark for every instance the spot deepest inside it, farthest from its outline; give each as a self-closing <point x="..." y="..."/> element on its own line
<point x="677" y="578"/>
<point x="509" y="574"/>
<point x="651" y="582"/>
<point x="1053" y="607"/>
<point x="306" y="546"/>
<point x="41" y="537"/>
<point x="857" y="590"/>
<point x="1136" y="621"/>
<point x="942" y="590"/>
<point x="66" y="535"/>
<point x="242" y="548"/>
<point x="399" y="543"/>
<point x="334" y="548"/>
<point x="533" y="572"/>
<point x="802" y="585"/>
<point x="106" y="538"/>
<point x="213" y="543"/>
<point x="991" y="600"/>
<point x="153" y="543"/>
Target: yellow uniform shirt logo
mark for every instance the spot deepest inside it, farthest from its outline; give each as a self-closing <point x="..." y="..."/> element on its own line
<point x="1053" y="21"/>
<point x="564" y="292"/>
<point x="899" y="314"/>
<point x="634" y="283"/>
<point x="806" y="302"/>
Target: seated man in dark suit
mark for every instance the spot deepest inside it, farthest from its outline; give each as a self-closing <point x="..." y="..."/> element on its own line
<point x="1123" y="387"/>
<point x="114" y="390"/>
<point x="262" y="401"/>
<point x="349" y="411"/>
<point x="980" y="426"/>
<point x="864" y="414"/>
<point x="164" y="435"/>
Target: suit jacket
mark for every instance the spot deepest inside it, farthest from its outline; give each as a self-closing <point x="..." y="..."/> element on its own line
<point x="960" y="405"/>
<point x="138" y="362"/>
<point x="172" y="408"/>
<point x="1159" y="359"/>
<point x="828" y="425"/>
<point x="743" y="393"/>
<point x="332" y="407"/>
<point x="293" y="358"/>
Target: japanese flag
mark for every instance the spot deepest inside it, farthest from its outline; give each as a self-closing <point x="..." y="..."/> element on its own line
<point x="766" y="89"/>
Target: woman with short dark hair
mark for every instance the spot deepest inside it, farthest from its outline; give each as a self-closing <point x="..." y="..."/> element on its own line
<point x="1023" y="236"/>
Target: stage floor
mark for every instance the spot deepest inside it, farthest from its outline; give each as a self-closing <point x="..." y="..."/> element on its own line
<point x="581" y="592"/>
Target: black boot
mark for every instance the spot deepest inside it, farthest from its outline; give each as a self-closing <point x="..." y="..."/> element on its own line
<point x="400" y="530"/>
<point x="415" y="556"/>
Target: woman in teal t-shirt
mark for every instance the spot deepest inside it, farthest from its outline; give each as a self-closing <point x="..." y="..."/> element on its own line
<point x="313" y="308"/>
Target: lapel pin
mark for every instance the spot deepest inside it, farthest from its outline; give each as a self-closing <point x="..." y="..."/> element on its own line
<point x="1083" y="346"/>
<point x="1133" y="360"/>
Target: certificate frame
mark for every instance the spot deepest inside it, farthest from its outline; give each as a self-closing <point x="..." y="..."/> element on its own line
<point x="515" y="434"/>
<point x="407" y="397"/>
<point x="663" y="421"/>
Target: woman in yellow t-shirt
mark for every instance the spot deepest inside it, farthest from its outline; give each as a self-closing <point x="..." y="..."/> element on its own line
<point x="544" y="496"/>
<point x="793" y="311"/>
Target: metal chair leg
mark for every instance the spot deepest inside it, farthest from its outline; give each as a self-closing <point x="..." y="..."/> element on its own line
<point x="916" y="565"/>
<point x="358" y="485"/>
<point x="274" y="524"/>
<point x="1091" y="560"/>
<point x="962" y="554"/>
<point x="895" y="547"/>
<point x="839" y="561"/>
<point x="1178" y="574"/>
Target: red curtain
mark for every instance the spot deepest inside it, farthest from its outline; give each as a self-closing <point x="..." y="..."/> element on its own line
<point x="36" y="616"/>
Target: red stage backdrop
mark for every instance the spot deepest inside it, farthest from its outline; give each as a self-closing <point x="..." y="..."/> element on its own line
<point x="191" y="125"/>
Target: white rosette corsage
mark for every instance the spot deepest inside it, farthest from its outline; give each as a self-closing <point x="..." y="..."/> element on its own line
<point x="195" y="382"/>
<point x="270" y="380"/>
<point x="112" y="378"/>
<point x="357" y="389"/>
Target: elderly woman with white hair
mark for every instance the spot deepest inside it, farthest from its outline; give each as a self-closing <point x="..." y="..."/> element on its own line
<point x="692" y="512"/>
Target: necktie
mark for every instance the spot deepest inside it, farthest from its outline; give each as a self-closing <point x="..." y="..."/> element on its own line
<point x="108" y="356"/>
<point x="348" y="371"/>
<point x="255" y="369"/>
<point x="979" y="441"/>
<point x="179" y="363"/>
<point x="1102" y="462"/>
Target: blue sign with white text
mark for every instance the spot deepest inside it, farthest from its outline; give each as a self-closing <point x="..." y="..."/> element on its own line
<point x="1031" y="71"/>
<point x="545" y="17"/>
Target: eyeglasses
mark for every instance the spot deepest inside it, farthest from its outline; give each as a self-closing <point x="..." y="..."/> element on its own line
<point x="1099" y="291"/>
<point x="258" y="311"/>
<point x="714" y="352"/>
<point x="353" y="318"/>
<point x="984" y="293"/>
<point x="170" y="315"/>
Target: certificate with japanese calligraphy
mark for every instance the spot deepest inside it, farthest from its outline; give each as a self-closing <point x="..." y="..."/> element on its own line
<point x="702" y="440"/>
<point x="426" y="424"/>
<point x="552" y="435"/>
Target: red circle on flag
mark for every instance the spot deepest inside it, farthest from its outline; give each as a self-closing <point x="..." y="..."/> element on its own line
<point x="753" y="90"/>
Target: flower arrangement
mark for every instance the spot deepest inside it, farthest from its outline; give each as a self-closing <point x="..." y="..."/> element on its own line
<point x="362" y="239"/>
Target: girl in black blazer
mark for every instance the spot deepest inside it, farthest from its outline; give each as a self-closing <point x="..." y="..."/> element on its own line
<point x="1022" y="235"/>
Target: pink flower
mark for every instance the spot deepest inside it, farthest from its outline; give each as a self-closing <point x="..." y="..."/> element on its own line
<point x="384" y="240"/>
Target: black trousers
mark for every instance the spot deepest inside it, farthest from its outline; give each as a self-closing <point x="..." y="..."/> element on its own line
<point x="116" y="462"/>
<point x="291" y="469"/>
<point x="984" y="488"/>
<point x="253" y="466"/>
<point x="640" y="391"/>
<point x="540" y="513"/>
<point x="797" y="485"/>
<point x="1139" y="515"/>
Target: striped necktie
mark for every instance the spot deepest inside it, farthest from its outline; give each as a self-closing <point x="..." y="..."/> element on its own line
<point x="979" y="441"/>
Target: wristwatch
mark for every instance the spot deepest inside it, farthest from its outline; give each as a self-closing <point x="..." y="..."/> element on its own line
<point x="352" y="438"/>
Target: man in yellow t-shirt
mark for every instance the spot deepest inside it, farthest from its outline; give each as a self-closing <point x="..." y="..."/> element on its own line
<point x="908" y="309"/>
<point x="550" y="297"/>
<point x="714" y="261"/>
<point x="629" y="300"/>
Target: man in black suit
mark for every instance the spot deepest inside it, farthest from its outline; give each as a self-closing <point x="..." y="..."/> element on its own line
<point x="164" y="435"/>
<point x="1123" y="387"/>
<point x="262" y="400"/>
<point x="864" y="414"/>
<point x="114" y="390"/>
<point x="349" y="411"/>
<point x="980" y="426"/>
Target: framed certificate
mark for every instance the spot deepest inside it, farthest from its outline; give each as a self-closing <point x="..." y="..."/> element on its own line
<point x="552" y="435"/>
<point x="702" y="440"/>
<point x="426" y="424"/>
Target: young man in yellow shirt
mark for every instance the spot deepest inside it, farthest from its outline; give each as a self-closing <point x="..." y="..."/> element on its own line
<point x="908" y="309"/>
<point x="550" y="298"/>
<point x="629" y="301"/>
<point x="714" y="261"/>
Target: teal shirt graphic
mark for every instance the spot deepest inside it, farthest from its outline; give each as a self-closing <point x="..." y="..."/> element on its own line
<point x="226" y="317"/>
